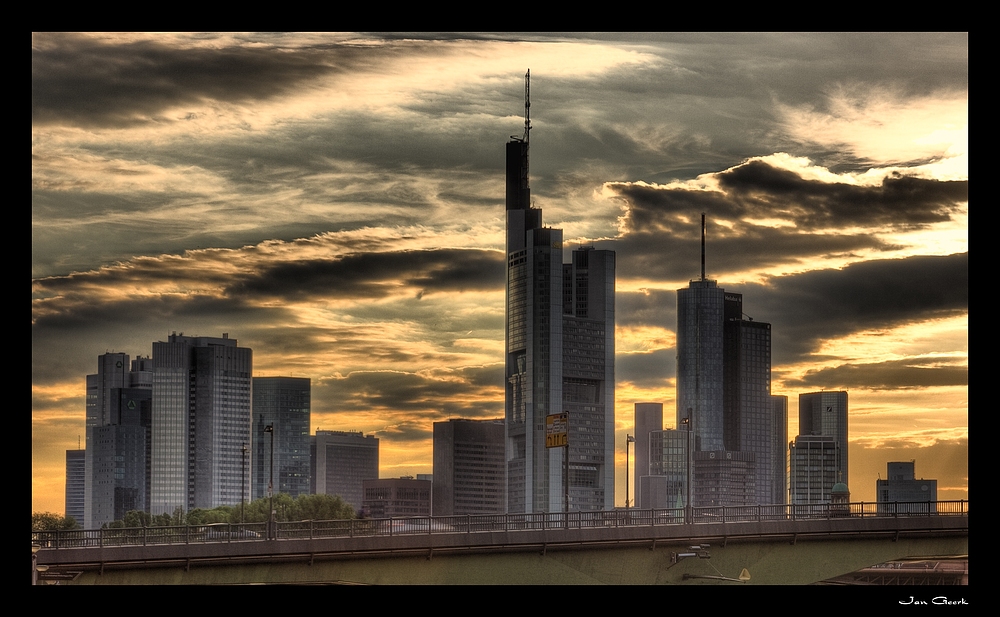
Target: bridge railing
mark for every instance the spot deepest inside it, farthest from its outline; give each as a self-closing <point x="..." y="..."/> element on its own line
<point x="480" y="523"/>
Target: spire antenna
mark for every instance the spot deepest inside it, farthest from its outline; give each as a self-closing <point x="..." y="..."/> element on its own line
<point x="703" y="246"/>
<point x="527" y="104"/>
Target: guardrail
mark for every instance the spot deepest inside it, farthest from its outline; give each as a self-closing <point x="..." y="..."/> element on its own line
<point x="480" y="523"/>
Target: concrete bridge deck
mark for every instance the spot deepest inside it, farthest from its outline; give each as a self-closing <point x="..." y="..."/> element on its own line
<point x="632" y="550"/>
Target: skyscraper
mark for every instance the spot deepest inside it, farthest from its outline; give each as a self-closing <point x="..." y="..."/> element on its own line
<point x="121" y="454"/>
<point x="469" y="467"/>
<point x="201" y="420"/>
<point x="341" y="462"/>
<point x="825" y="413"/>
<point x="115" y="371"/>
<point x="559" y="356"/>
<point x="724" y="382"/>
<point x="283" y="402"/>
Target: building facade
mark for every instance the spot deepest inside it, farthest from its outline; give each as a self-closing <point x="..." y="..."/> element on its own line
<point x="397" y="497"/>
<point x="666" y="485"/>
<point x="779" y="449"/>
<point x="340" y="463"/>
<point x="812" y="469"/>
<point x="76" y="468"/>
<point x="469" y="467"/>
<point x="283" y="402"/>
<point x="559" y="357"/>
<point x="201" y="422"/>
<point x="825" y="413"/>
<point x="904" y="490"/>
<point x="724" y="478"/>
<point x="648" y="418"/>
<point x="724" y="388"/>
<point x="115" y="372"/>
<point x="121" y="455"/>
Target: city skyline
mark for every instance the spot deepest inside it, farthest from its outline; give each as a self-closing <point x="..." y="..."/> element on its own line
<point x="336" y="202"/>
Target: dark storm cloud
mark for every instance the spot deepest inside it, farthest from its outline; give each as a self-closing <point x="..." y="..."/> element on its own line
<point x="436" y="395"/>
<point x="806" y="309"/>
<point x="88" y="82"/>
<point x="651" y="370"/>
<point x="675" y="256"/>
<point x="67" y="337"/>
<point x="648" y="307"/>
<point x="376" y="275"/>
<point x="758" y="190"/>
<point x="909" y="373"/>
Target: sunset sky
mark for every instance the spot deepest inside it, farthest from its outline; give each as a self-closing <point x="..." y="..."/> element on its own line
<point x="336" y="203"/>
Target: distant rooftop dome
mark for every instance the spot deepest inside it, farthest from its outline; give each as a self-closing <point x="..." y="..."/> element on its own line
<point x="840" y="487"/>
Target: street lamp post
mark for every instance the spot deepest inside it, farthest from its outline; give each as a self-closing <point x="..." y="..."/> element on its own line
<point x="628" y="440"/>
<point x="270" y="483"/>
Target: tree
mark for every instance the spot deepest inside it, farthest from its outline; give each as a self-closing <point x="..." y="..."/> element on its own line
<point x="321" y="508"/>
<point x="49" y="521"/>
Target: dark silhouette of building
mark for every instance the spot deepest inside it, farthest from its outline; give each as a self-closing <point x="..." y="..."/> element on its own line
<point x="469" y="467"/>
<point x="116" y="373"/>
<point x="648" y="418"/>
<point x="76" y="468"/>
<point x="341" y="462"/>
<point x="779" y="449"/>
<point x="825" y="413"/>
<point x="559" y="356"/>
<point x="397" y="497"/>
<point x="904" y="490"/>
<point x="121" y="455"/>
<point x="285" y="403"/>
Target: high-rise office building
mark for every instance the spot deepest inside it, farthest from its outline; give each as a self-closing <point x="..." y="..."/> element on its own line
<point x="825" y="413"/>
<point x="559" y="356"/>
<point x="115" y="371"/>
<point x="121" y="455"/>
<point x="812" y="469"/>
<point x="340" y="463"/>
<point x="724" y="382"/>
<point x="648" y="418"/>
<point x="469" y="467"/>
<point x="904" y="490"/>
<point x="201" y="422"/>
<point x="284" y="403"/>
<point x="76" y="467"/>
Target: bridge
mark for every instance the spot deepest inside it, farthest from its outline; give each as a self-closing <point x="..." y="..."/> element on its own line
<point x="718" y="545"/>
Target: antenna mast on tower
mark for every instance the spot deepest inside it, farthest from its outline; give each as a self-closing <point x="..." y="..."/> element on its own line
<point x="527" y="121"/>
<point x="703" y="246"/>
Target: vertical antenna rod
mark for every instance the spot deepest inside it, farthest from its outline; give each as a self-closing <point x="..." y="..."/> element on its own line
<point x="527" y="121"/>
<point x="703" y="246"/>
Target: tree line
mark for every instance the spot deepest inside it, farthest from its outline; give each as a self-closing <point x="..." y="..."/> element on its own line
<point x="301" y="508"/>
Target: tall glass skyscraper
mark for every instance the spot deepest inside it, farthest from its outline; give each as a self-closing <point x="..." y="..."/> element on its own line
<point x="283" y="402"/>
<point x="559" y="356"/>
<point x="201" y="421"/>
<point x="724" y="385"/>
